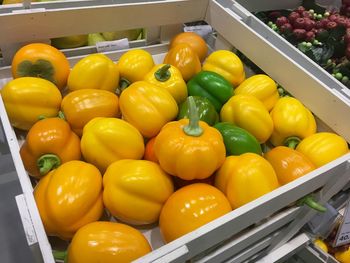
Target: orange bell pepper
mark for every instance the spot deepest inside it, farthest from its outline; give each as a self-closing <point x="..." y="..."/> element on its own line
<point x="107" y="242"/>
<point x="69" y="197"/>
<point x="81" y="106"/>
<point x="185" y="59"/>
<point x="49" y="143"/>
<point x="190" y="149"/>
<point x="288" y="164"/>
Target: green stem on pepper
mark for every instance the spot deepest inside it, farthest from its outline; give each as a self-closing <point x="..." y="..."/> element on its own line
<point x="292" y="142"/>
<point x="193" y="128"/>
<point x="309" y="201"/>
<point x="163" y="74"/>
<point x="48" y="162"/>
<point x="60" y="255"/>
<point x="123" y="84"/>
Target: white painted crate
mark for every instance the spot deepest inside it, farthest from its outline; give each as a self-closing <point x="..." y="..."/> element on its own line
<point x="252" y="230"/>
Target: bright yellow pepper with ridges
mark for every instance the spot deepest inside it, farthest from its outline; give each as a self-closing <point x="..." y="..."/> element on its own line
<point x="28" y="98"/>
<point x="147" y="107"/>
<point x="136" y="190"/>
<point x="168" y="77"/>
<point x="95" y="71"/>
<point x="323" y="147"/>
<point x="223" y="174"/>
<point x="249" y="113"/>
<point x="262" y="87"/>
<point x="106" y="140"/>
<point x="107" y="242"/>
<point x="135" y="64"/>
<point x="69" y="197"/>
<point x="250" y="177"/>
<point x="292" y="122"/>
<point x="226" y="64"/>
<point x="189" y="148"/>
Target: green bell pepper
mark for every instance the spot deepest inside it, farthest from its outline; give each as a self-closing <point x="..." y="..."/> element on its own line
<point x="237" y="140"/>
<point x="206" y="110"/>
<point x="212" y="86"/>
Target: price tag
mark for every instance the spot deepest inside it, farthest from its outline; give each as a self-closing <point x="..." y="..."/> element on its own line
<point x="105" y="46"/>
<point x="343" y="234"/>
<point x="202" y="30"/>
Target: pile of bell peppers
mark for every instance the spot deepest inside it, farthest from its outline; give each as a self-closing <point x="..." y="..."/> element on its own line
<point x="120" y="138"/>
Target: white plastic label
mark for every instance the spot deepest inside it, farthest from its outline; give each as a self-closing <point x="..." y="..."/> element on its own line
<point x="26" y="220"/>
<point x="105" y="46"/>
<point x="343" y="234"/>
<point x="202" y="30"/>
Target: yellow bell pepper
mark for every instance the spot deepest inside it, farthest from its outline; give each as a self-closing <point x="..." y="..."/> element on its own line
<point x="147" y="107"/>
<point x="343" y="255"/>
<point x="107" y="242"/>
<point x="134" y="65"/>
<point x="168" y="77"/>
<point x="28" y="98"/>
<point x="292" y="122"/>
<point x="249" y="113"/>
<point x="223" y="174"/>
<point x="185" y="59"/>
<point x="323" y="147"/>
<point x="189" y="148"/>
<point x="95" y="71"/>
<point x="249" y="177"/>
<point x="81" y="106"/>
<point x="262" y="87"/>
<point x="226" y="64"/>
<point x="136" y="190"/>
<point x="69" y="197"/>
<point x="106" y="140"/>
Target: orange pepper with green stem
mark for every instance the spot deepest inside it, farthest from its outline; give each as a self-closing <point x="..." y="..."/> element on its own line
<point x="49" y="143"/>
<point x="189" y="148"/>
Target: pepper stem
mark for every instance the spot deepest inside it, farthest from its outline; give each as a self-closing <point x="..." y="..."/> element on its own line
<point x="309" y="201"/>
<point x="48" y="162"/>
<point x="292" y="142"/>
<point x="61" y="115"/>
<point x="163" y="74"/>
<point x="60" y="255"/>
<point x="192" y="128"/>
<point x="123" y="84"/>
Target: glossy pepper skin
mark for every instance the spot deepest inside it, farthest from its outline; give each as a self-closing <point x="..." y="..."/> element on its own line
<point x="205" y="109"/>
<point x="249" y="113"/>
<point x="168" y="77"/>
<point x="28" y="98"/>
<point x="262" y="87"/>
<point x="136" y="190"/>
<point x="95" y="71"/>
<point x="107" y="242"/>
<point x="147" y="107"/>
<point x="184" y="59"/>
<point x="226" y="64"/>
<point x="49" y="143"/>
<point x="135" y="64"/>
<point x="291" y="119"/>
<point x="191" y="207"/>
<point x="250" y="177"/>
<point x="106" y="140"/>
<point x="69" y="197"/>
<point x="189" y="148"/>
<point x="81" y="106"/>
<point x="288" y="164"/>
<point x="211" y="86"/>
<point x="237" y="140"/>
<point x="323" y="147"/>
